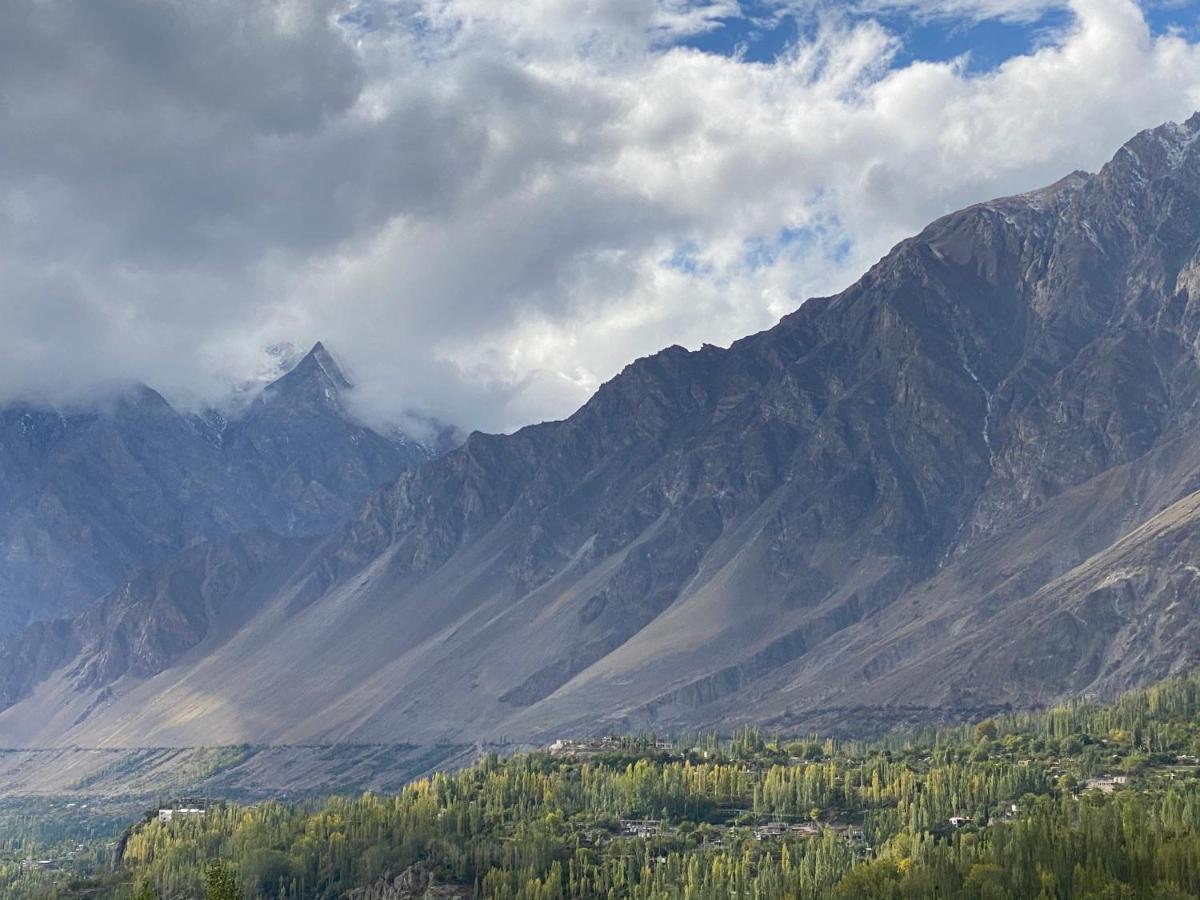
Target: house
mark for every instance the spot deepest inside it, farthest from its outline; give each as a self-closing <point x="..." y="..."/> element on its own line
<point x="804" y="829"/>
<point x="1106" y="784"/>
<point x="184" y="808"/>
<point x="852" y="833"/>
<point x="168" y="815"/>
<point x="588" y="747"/>
<point x="642" y="828"/>
<point x="770" y="830"/>
<point x="959" y="821"/>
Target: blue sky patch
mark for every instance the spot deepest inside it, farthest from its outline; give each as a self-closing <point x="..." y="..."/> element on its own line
<point x="761" y="34"/>
<point x="1175" y="15"/>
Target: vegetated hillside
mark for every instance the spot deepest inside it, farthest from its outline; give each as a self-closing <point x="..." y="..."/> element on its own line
<point x="1080" y="802"/>
<point x="965" y="482"/>
<point x="90" y="496"/>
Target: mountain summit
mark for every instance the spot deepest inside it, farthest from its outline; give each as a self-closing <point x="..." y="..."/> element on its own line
<point x="968" y="481"/>
<point x="87" y="498"/>
<point x="316" y="374"/>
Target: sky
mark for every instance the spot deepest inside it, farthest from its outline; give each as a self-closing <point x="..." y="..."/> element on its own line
<point x="487" y="209"/>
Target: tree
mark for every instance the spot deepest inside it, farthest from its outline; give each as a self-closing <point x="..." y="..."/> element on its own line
<point x="879" y="880"/>
<point x="220" y="882"/>
<point x="986" y="731"/>
<point x="145" y="891"/>
<point x="987" y="882"/>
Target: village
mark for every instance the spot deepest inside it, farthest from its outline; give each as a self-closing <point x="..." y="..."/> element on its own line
<point x="761" y="827"/>
<point x="72" y="857"/>
<point x="716" y="833"/>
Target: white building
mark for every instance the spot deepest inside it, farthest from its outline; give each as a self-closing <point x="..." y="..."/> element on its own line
<point x="168" y="815"/>
<point x="1108" y="784"/>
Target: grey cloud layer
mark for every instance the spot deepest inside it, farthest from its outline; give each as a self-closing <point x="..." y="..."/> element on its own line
<point x="487" y="208"/>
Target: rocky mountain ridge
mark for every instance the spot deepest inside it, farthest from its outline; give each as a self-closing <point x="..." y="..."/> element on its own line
<point x="966" y="482"/>
<point x="90" y="496"/>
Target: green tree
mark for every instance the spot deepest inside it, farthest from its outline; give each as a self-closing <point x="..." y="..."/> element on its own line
<point x="220" y="883"/>
<point x="878" y="880"/>
<point x="986" y="731"/>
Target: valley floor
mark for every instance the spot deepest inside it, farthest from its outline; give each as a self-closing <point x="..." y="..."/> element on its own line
<point x="1083" y="801"/>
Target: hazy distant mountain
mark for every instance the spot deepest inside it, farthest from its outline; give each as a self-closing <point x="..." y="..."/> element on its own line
<point x="89" y="497"/>
<point x="968" y="480"/>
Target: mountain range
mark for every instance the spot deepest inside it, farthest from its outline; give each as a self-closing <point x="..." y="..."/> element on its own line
<point x="89" y="497"/>
<point x="969" y="482"/>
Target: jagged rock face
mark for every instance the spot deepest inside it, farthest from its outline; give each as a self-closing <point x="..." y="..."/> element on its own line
<point x="871" y="512"/>
<point x="149" y="623"/>
<point x="299" y="449"/>
<point x="89" y="497"/>
<point x="144" y="626"/>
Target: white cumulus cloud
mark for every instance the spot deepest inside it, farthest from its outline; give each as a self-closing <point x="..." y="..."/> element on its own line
<point x="486" y="209"/>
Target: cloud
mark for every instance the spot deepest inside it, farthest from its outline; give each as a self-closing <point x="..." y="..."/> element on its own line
<point x="973" y="10"/>
<point x="487" y="209"/>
